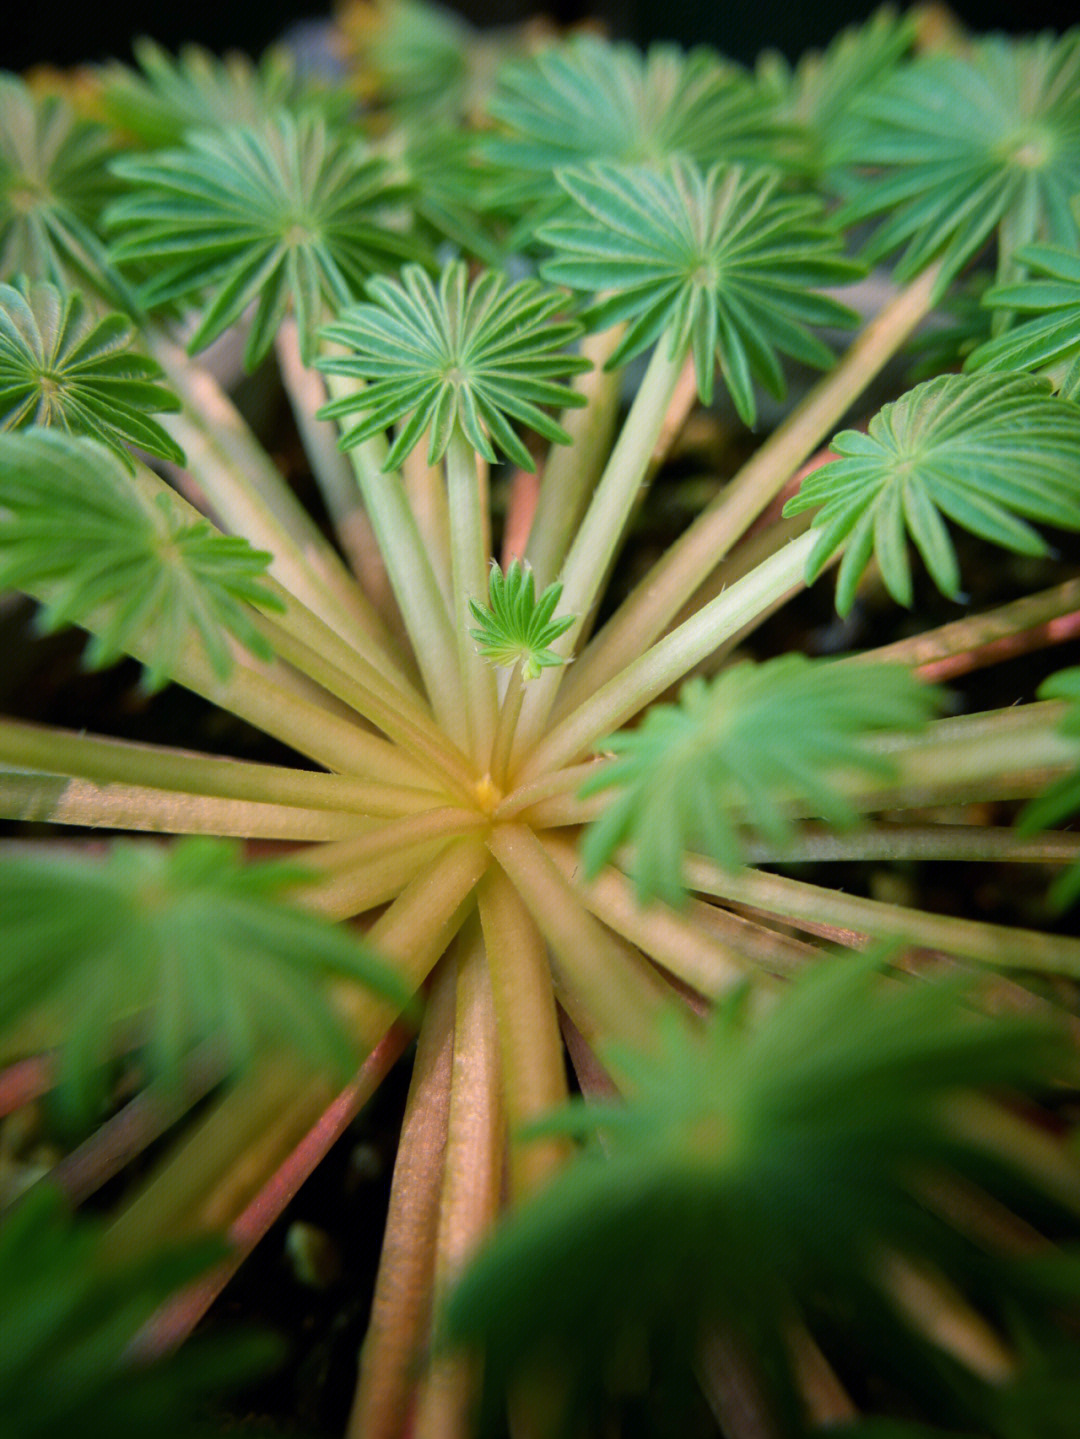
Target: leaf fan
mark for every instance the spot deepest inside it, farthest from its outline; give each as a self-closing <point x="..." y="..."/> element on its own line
<point x="1047" y="338"/>
<point x="953" y="150"/>
<point x="62" y="367"/>
<point x="480" y="356"/>
<point x="737" y="752"/>
<point x="125" y="561"/>
<point x="54" y="184"/>
<point x="167" y="95"/>
<point x="721" y="262"/>
<point x="988" y="452"/>
<point x="170" y="946"/>
<point x="291" y="212"/>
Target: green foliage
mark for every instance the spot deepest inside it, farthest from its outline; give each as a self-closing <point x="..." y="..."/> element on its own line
<point x="291" y="211"/>
<point x="952" y="150"/>
<point x="198" y="91"/>
<point x="515" y="626"/>
<point x="988" y="452"/>
<point x="817" y="94"/>
<point x="765" y="1171"/>
<point x="736" y="752"/>
<point x="475" y="356"/>
<point x="1051" y="338"/>
<point x="63" y="367"/>
<point x="589" y="99"/>
<point x="415" y="59"/>
<point x="720" y="263"/>
<point x="54" y="183"/>
<point x="168" y="946"/>
<point x="78" y="535"/>
<point x="69" y="1313"/>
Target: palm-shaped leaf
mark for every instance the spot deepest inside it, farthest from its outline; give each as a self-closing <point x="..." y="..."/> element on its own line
<point x="76" y="533"/>
<point x="54" y="183"/>
<point x="515" y="626"/>
<point x="590" y="99"/>
<point x="414" y="57"/>
<point x="477" y="355"/>
<point x="720" y="262"/>
<point x="1051" y="337"/>
<point x="759" y="1172"/>
<point x="69" y="1313"/>
<point x="168" y="946"/>
<point x="952" y="149"/>
<point x="198" y="91"/>
<point x="62" y="367"/>
<point x="288" y="212"/>
<point x="817" y="94"/>
<point x="743" y="747"/>
<point x="987" y="452"/>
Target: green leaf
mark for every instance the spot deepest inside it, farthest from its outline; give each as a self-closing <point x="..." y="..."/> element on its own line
<point x="197" y="90"/>
<point x="757" y="738"/>
<point x="69" y="1314"/>
<point x="65" y="368"/>
<point x="422" y="61"/>
<point x="592" y="99"/>
<point x="270" y="215"/>
<point x="758" y="1173"/>
<point x="953" y="150"/>
<point x="817" y="95"/>
<point x="122" y="560"/>
<point x="170" y="946"/>
<point x="1051" y="338"/>
<point x="987" y="452"/>
<point x="720" y="262"/>
<point x="478" y="356"/>
<point x="54" y="183"/>
<point x="515" y="626"/>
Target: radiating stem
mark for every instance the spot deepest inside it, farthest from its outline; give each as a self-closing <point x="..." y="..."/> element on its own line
<point x="60" y="799"/>
<point x="469" y="568"/>
<point x="975" y="641"/>
<point x="806" y="905"/>
<point x="668" y="660"/>
<point x="251" y="497"/>
<point x="604" y="987"/>
<point x="400" y="1310"/>
<point x="678" y="941"/>
<point x="421" y="601"/>
<point x="425" y="488"/>
<point x="571" y="471"/>
<point x="534" y="1076"/>
<point x="601" y="531"/>
<point x="687" y="563"/>
<point x="471" y="1183"/>
<point x="961" y="842"/>
<point x="509" y="711"/>
<point x="333" y="473"/>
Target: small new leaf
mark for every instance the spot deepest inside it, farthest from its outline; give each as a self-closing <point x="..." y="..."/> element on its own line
<point x="516" y="627"/>
<point x="64" y="368"/>
<point x="121" y="560"/>
<point x="760" y="1169"/>
<point x="171" y="946"/>
<point x="54" y="183"/>
<point x="1050" y="339"/>
<point x="987" y="452"/>
<point x="737" y="754"/>
<point x="951" y="150"/>
<point x="70" y="1312"/>
<point x="471" y="356"/>
<point x="288" y="212"/>
<point x="720" y="262"/>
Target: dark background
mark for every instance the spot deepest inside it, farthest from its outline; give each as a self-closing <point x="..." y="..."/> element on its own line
<point x="61" y="33"/>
